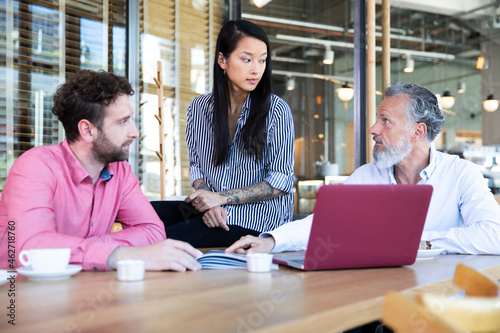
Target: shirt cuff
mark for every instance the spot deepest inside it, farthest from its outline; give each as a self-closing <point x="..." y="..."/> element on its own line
<point x="276" y="248"/>
<point x="194" y="173"/>
<point x="431" y="235"/>
<point x="280" y="181"/>
<point x="96" y="257"/>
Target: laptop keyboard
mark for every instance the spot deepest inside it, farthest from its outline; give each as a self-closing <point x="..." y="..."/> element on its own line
<point x="297" y="261"/>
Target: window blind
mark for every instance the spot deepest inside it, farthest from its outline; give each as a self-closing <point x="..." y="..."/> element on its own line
<point x="41" y="44"/>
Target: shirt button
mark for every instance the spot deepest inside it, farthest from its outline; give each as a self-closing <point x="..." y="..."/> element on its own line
<point x="89" y="179"/>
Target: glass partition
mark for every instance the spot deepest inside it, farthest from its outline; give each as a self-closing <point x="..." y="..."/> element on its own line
<point x="312" y="49"/>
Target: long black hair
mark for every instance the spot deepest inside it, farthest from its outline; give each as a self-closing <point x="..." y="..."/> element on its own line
<point x="254" y="132"/>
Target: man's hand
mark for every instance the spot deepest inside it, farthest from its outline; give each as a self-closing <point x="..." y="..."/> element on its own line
<point x="203" y="200"/>
<point x="252" y="244"/>
<point x="216" y="217"/>
<point x="169" y="254"/>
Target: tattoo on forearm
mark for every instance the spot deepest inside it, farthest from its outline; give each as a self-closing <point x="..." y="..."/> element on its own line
<point x="204" y="187"/>
<point x="232" y="198"/>
<point x="199" y="184"/>
<point x="257" y="192"/>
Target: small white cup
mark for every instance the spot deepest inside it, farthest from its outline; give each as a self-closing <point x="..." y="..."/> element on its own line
<point x="130" y="270"/>
<point x="259" y="262"/>
<point x="46" y="259"/>
<point x="423" y="245"/>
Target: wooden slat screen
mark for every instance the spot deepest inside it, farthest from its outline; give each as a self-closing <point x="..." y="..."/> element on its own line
<point x="193" y="31"/>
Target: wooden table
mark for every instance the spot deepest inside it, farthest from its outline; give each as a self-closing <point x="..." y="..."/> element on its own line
<point x="285" y="300"/>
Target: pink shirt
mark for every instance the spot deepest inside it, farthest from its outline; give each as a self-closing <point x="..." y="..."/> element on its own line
<point x="51" y="202"/>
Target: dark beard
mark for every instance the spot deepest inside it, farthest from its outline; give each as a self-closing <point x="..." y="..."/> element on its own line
<point x="106" y="152"/>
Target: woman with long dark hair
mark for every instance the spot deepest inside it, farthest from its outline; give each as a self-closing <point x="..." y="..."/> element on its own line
<point x="241" y="145"/>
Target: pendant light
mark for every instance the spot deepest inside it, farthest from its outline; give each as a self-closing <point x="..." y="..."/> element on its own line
<point x="260" y="3"/>
<point x="290" y="83"/>
<point x="461" y="87"/>
<point x="329" y="55"/>
<point x="490" y="104"/>
<point x="345" y="93"/>
<point x="409" y="64"/>
<point x="447" y="100"/>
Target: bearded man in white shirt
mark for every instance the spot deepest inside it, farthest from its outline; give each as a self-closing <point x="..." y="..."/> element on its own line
<point x="463" y="215"/>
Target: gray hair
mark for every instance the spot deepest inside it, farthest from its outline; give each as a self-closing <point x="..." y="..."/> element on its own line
<point x="422" y="107"/>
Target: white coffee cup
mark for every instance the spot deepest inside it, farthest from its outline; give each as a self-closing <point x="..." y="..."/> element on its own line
<point x="259" y="262"/>
<point x="130" y="270"/>
<point x="46" y="259"/>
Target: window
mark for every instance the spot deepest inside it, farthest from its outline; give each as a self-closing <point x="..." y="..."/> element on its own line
<point x="45" y="41"/>
<point x="42" y="43"/>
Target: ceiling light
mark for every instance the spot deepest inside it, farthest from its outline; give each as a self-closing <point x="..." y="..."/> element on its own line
<point x="447" y="100"/>
<point x="329" y="55"/>
<point x="461" y="87"/>
<point x="346" y="45"/>
<point x="346" y="93"/>
<point x="480" y="62"/>
<point x="290" y="83"/>
<point x="410" y="63"/>
<point x="490" y="104"/>
<point x="260" y="3"/>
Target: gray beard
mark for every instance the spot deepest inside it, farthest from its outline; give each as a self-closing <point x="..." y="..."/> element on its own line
<point x="391" y="155"/>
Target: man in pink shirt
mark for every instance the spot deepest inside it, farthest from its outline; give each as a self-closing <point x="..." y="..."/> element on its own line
<point x="70" y="194"/>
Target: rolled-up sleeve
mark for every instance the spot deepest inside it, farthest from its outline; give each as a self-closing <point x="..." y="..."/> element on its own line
<point x="194" y="161"/>
<point x="280" y="148"/>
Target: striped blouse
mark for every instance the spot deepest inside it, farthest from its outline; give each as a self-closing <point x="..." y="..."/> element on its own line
<point x="240" y="169"/>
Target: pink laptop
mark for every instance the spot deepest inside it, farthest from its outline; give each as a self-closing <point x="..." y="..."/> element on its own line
<point x="361" y="226"/>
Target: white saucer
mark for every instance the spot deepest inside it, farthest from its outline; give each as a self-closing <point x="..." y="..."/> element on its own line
<point x="428" y="254"/>
<point x="4" y="275"/>
<point x="49" y="276"/>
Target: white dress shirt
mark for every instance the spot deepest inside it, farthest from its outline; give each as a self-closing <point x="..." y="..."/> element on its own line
<point x="463" y="215"/>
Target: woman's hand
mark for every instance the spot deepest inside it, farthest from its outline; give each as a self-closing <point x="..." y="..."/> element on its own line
<point x="203" y="200"/>
<point x="216" y="217"/>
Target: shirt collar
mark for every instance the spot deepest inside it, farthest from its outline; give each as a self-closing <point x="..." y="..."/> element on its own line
<point x="391" y="175"/>
<point x="246" y="108"/>
<point x="426" y="173"/>
<point x="77" y="171"/>
<point x="429" y="170"/>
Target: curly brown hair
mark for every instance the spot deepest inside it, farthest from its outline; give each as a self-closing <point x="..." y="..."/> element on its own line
<point x="86" y="95"/>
